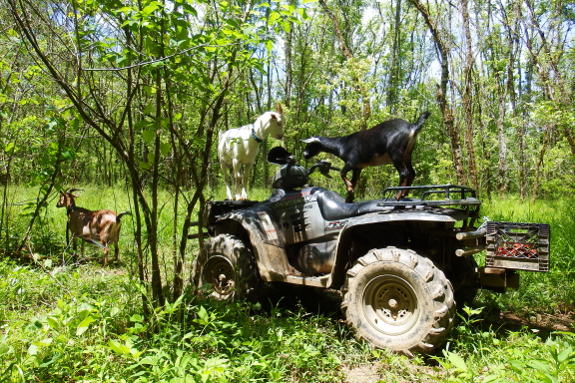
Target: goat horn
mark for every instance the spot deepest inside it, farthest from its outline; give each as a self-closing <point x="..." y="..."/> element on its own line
<point x="279" y="108"/>
<point x="311" y="140"/>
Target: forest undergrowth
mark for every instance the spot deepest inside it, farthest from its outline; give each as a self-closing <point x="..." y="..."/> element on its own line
<point x="84" y="323"/>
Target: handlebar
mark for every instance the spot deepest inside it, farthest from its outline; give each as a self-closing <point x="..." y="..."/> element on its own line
<point x="324" y="167"/>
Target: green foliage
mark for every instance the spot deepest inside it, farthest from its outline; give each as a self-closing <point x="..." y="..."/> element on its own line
<point x="482" y="356"/>
<point x="148" y="75"/>
<point x="555" y="289"/>
<point x="86" y="323"/>
<point x="75" y="331"/>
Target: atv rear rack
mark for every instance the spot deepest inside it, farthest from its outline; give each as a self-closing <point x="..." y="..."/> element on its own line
<point x="432" y="195"/>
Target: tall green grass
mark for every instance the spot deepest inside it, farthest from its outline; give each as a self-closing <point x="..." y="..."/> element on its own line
<point x="83" y="323"/>
<point x="550" y="291"/>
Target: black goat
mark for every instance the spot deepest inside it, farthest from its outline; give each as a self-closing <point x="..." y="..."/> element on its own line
<point x="389" y="142"/>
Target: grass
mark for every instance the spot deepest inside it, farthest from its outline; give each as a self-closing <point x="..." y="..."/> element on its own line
<point x="83" y="323"/>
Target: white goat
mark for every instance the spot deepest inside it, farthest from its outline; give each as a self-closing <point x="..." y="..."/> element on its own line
<point x="238" y="148"/>
<point x="91" y="226"/>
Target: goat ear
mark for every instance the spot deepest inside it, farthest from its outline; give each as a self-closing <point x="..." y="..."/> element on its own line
<point x="310" y="140"/>
<point x="274" y="117"/>
<point x="279" y="108"/>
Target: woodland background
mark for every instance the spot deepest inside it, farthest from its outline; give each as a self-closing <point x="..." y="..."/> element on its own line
<point x="126" y="98"/>
<point x="133" y="94"/>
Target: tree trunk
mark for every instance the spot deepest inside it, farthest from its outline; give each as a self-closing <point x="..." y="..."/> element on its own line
<point x="441" y="92"/>
<point x="358" y="83"/>
<point x="467" y="97"/>
<point x="503" y="167"/>
<point x="393" y="61"/>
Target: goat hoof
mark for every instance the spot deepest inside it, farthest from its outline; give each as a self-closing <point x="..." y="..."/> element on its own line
<point x="399" y="196"/>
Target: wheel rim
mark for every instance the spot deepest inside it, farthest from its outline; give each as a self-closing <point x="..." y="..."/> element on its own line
<point x="220" y="273"/>
<point x="390" y="304"/>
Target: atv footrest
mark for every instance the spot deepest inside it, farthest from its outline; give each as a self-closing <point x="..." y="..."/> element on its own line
<point x="518" y="246"/>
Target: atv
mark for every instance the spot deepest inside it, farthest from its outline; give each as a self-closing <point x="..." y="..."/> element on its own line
<point x="401" y="266"/>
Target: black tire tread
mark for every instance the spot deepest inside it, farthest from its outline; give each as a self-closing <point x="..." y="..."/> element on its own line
<point x="438" y="286"/>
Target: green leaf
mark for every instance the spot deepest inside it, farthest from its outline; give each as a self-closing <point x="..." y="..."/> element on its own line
<point x="540" y="366"/>
<point x="4" y="349"/>
<point x="150" y="8"/>
<point x="148" y="360"/>
<point x="149" y="108"/>
<point x="32" y="350"/>
<point x="189" y="9"/>
<point x="144" y="165"/>
<point x="119" y="348"/>
<point x="165" y="149"/>
<point x="149" y="135"/>
<point x="53" y="323"/>
<point x="149" y="90"/>
<point x="563" y="355"/>
<point x="457" y="361"/>
<point x="286" y="27"/>
<point x="115" y="310"/>
<point x="83" y="326"/>
<point x="43" y="343"/>
<point x="67" y="155"/>
<point x="273" y="18"/>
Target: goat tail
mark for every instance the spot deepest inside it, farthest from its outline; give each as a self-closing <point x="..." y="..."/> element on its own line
<point x="119" y="216"/>
<point x="419" y="123"/>
<point x="415" y="128"/>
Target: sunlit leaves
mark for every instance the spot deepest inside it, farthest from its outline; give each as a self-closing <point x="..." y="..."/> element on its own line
<point x="150" y="8"/>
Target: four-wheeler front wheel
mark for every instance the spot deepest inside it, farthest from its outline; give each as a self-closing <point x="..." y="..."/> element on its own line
<point x="397" y="299"/>
<point x="226" y="267"/>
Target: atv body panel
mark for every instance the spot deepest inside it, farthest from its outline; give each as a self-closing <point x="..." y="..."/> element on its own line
<point x="305" y="236"/>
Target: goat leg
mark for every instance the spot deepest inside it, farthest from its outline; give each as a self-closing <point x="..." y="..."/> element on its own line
<point x="245" y="180"/>
<point x="406" y="175"/>
<point x="227" y="172"/>
<point x="350" y="185"/>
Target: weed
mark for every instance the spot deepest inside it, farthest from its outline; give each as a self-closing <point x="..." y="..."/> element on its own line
<point x="83" y="323"/>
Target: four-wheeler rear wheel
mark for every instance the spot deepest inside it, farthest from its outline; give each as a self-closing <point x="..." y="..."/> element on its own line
<point x="226" y="266"/>
<point x="397" y="299"/>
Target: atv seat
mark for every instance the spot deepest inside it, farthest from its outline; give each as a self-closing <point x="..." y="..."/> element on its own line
<point x="333" y="206"/>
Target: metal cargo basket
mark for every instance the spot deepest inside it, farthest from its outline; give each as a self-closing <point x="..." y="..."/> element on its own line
<point x="518" y="246"/>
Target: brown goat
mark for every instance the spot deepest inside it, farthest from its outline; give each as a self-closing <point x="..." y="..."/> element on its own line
<point x="100" y="227"/>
